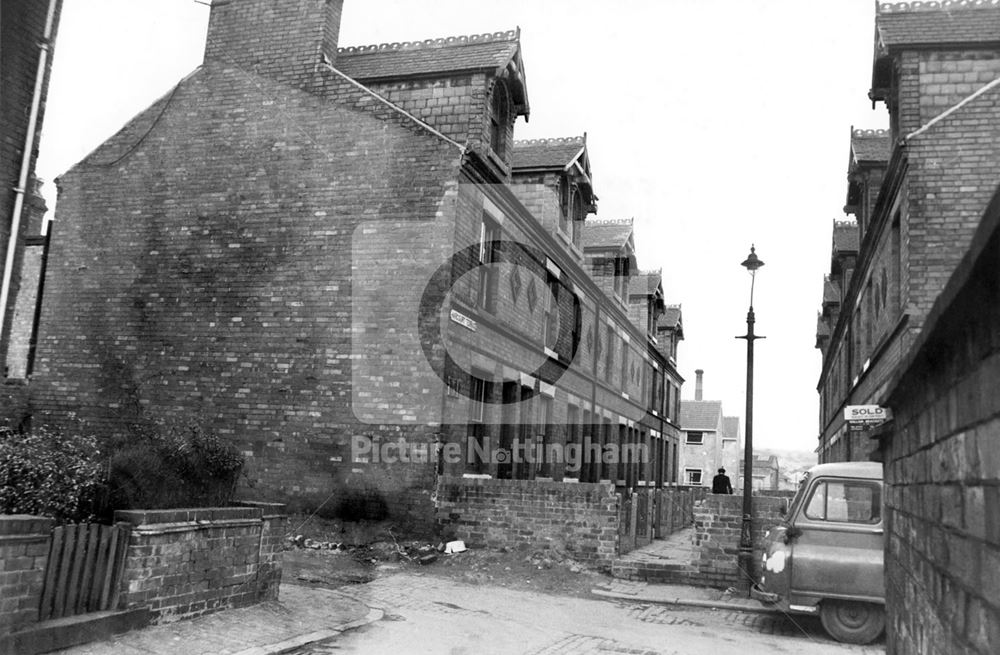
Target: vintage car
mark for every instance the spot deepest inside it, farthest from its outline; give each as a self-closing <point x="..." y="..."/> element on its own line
<point x="826" y="556"/>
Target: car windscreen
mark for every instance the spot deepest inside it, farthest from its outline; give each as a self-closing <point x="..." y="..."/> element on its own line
<point x="797" y="499"/>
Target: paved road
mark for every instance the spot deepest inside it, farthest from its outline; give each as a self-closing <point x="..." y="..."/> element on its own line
<point x="424" y="614"/>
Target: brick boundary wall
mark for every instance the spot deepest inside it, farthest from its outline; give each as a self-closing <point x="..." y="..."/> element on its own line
<point x="182" y="563"/>
<point x="24" y="549"/>
<point x="272" y="543"/>
<point x="580" y="519"/>
<point x="942" y="468"/>
<point x="179" y="564"/>
<point x="717" y="523"/>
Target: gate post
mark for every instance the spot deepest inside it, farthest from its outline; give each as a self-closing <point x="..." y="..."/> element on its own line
<point x="24" y="548"/>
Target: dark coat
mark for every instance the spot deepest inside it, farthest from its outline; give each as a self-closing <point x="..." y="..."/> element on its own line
<point x="721" y="484"/>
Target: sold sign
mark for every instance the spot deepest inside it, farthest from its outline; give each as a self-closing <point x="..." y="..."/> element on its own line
<point x="867" y="414"/>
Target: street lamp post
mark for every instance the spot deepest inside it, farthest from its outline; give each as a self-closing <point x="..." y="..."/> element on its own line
<point x="745" y="561"/>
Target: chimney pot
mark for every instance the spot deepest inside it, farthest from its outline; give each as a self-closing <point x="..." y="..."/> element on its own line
<point x="697" y="383"/>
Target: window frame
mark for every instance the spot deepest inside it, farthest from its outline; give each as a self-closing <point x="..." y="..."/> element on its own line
<point x="699" y="442"/>
<point x="578" y="214"/>
<point x="609" y="355"/>
<point x="546" y="409"/>
<point x="489" y="239"/>
<point x="499" y="118"/>
<point x="566" y="191"/>
<point x="824" y="483"/>
<point x="626" y="378"/>
<point x="574" y="432"/>
<point x="479" y="392"/>
<point x="550" y="335"/>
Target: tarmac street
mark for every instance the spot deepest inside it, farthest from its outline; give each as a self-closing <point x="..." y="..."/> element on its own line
<point x="425" y="614"/>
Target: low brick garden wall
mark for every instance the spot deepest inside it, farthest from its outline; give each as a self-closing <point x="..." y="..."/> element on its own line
<point x="183" y="563"/>
<point x="24" y="549"/>
<point x="580" y="519"/>
<point x="179" y="563"/>
<point x="717" y="523"/>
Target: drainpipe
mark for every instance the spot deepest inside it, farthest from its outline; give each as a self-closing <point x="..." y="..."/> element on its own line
<point x="22" y="183"/>
<point x="594" y="424"/>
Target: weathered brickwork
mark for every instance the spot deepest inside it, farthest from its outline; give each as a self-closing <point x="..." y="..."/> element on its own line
<point x="453" y="105"/>
<point x="252" y="252"/>
<point x="710" y="560"/>
<point x="942" y="468"/>
<point x="26" y="303"/>
<point x="939" y="177"/>
<point x="244" y="227"/>
<point x="15" y="399"/>
<point x="281" y="41"/>
<point x="21" y="33"/>
<point x="954" y="168"/>
<point x="578" y="519"/>
<point x="179" y="563"/>
<point x="273" y="529"/>
<point x="24" y="550"/>
<point x="717" y="522"/>
<point x="184" y="563"/>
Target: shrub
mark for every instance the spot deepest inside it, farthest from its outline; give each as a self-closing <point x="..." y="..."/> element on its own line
<point x="169" y="465"/>
<point x="49" y="473"/>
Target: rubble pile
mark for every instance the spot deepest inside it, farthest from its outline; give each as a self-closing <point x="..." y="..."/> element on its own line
<point x="378" y="551"/>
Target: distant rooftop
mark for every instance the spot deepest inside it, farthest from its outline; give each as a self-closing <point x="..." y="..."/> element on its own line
<point x="845" y="236"/>
<point x="606" y="233"/>
<point x="871" y="145"/>
<point x="700" y="414"/>
<point x="454" y="53"/>
<point x="646" y="282"/>
<point x="671" y="316"/>
<point x="831" y="291"/>
<point x="548" y="153"/>
<point x="937" y="23"/>
<point x="822" y="328"/>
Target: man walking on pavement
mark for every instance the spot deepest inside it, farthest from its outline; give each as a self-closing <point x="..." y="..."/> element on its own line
<point x="721" y="483"/>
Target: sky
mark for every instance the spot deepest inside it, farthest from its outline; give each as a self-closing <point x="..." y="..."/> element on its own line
<point x="714" y="124"/>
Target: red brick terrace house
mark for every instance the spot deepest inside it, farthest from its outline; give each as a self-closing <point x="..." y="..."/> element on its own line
<point x="918" y="193"/>
<point x="340" y="259"/>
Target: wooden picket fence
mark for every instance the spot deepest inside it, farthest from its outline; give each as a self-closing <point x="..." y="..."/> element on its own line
<point x="84" y="569"/>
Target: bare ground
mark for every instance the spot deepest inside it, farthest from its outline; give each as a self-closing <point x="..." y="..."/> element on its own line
<point x="339" y="553"/>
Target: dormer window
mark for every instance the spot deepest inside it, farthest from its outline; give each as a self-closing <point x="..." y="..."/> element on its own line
<point x="499" y="119"/>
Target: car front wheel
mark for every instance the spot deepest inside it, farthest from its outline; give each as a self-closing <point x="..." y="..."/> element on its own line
<point x="852" y="622"/>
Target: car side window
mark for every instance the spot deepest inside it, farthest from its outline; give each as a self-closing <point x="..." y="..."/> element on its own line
<point x="844" y="502"/>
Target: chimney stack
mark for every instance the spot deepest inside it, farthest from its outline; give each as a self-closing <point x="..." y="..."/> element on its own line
<point x="697" y="383"/>
<point x="280" y="39"/>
